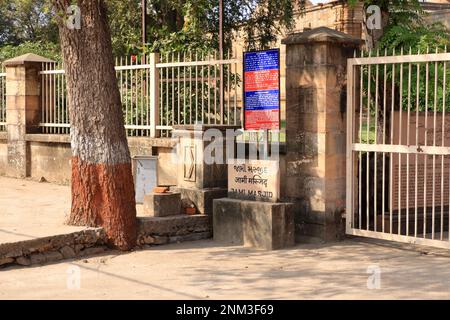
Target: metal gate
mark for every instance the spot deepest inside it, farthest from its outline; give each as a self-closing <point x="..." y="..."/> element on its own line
<point x="398" y="148"/>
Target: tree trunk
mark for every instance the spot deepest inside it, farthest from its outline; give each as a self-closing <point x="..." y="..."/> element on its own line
<point x="102" y="184"/>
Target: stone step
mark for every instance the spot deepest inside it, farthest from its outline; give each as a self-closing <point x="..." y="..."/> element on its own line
<point x="162" y="204"/>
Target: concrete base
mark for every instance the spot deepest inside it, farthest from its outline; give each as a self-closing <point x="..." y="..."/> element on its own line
<point x="162" y="204"/>
<point x="261" y="225"/>
<point x="202" y="198"/>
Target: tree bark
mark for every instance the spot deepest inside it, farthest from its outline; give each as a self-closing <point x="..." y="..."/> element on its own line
<point x="102" y="184"/>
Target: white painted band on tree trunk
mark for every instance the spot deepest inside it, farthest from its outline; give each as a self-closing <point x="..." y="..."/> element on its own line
<point x="97" y="149"/>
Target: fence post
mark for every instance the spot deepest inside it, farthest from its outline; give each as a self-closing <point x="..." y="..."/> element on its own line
<point x="315" y="174"/>
<point x="23" y="109"/>
<point x="154" y="94"/>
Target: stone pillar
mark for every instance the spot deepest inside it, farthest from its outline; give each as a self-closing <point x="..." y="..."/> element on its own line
<point x="314" y="177"/>
<point x="23" y="110"/>
<point x="199" y="181"/>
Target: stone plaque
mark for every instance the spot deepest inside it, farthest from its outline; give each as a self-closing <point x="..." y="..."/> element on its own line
<point x="254" y="180"/>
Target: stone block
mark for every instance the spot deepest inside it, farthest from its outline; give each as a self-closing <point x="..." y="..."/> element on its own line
<point x="53" y="256"/>
<point x="227" y="221"/>
<point x="268" y="226"/>
<point x="203" y="198"/>
<point x="23" y="261"/>
<point x="6" y="261"/>
<point x="38" y="258"/>
<point x="68" y="252"/>
<point x="162" y="204"/>
<point x="261" y="225"/>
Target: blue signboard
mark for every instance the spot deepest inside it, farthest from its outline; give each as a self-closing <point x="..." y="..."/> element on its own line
<point x="262" y="89"/>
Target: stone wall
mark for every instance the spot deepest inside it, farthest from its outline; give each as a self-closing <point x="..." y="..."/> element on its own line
<point x="49" y="156"/>
<point x="162" y="230"/>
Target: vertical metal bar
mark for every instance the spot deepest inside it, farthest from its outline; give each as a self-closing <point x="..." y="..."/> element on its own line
<point x="173" y="92"/>
<point x="416" y="156"/>
<point x="434" y="144"/>
<point x="196" y="88"/>
<point x="147" y="94"/>
<point x="121" y="89"/>
<point x="369" y="75"/>
<point x="178" y="90"/>
<point x="167" y="108"/>
<point x="361" y="86"/>
<point x="221" y="97"/>
<point x="142" y="95"/>
<point x="154" y="94"/>
<point x="53" y="110"/>
<point x="442" y="157"/>
<point x="184" y="88"/>
<point x="444" y="87"/>
<point x="190" y="89"/>
<point x="235" y="91"/>
<point x="375" y="180"/>
<point x="66" y="103"/>
<point x="228" y="90"/>
<point x="130" y="132"/>
<point x="126" y="92"/>
<point x="391" y="160"/>
<point x="400" y="119"/>
<point x="47" y="96"/>
<point x="209" y="87"/>
<point x="425" y="156"/>
<point x="349" y="142"/>
<point x="215" y="89"/>
<point x="137" y="96"/>
<point x="407" y="143"/>
<point x="43" y="96"/>
<point x="383" y="197"/>
<point x="203" y="89"/>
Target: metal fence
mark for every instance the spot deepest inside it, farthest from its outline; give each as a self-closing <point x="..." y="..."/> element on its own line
<point x="2" y="99"/>
<point x="398" y="148"/>
<point x="54" y="101"/>
<point x="157" y="93"/>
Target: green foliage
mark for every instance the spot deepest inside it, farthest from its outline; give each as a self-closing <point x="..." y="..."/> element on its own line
<point x="125" y="24"/>
<point x="46" y="49"/>
<point x="26" y="20"/>
<point x="193" y="24"/>
<point x="418" y="38"/>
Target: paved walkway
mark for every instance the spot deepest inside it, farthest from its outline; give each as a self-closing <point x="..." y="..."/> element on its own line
<point x="206" y="270"/>
<point x="29" y="209"/>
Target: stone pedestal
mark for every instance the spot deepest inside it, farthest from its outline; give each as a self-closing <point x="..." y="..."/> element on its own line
<point x="162" y="204"/>
<point x="202" y="166"/>
<point x="202" y="198"/>
<point x="23" y="109"/>
<point x="314" y="177"/>
<point x="261" y="225"/>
